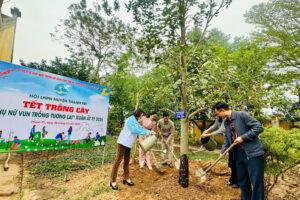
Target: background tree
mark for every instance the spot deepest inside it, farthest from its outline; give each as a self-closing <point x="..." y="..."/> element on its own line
<point x="88" y="34"/>
<point x="123" y="87"/>
<point x="77" y="69"/>
<point x="277" y="25"/>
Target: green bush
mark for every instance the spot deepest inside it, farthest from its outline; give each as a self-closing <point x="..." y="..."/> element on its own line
<point x="282" y="152"/>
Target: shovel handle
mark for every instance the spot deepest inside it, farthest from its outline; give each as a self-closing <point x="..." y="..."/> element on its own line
<point x="233" y="144"/>
<point x="153" y="157"/>
<point x="177" y="160"/>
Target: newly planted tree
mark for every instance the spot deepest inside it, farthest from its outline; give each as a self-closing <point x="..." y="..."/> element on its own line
<point x="164" y="26"/>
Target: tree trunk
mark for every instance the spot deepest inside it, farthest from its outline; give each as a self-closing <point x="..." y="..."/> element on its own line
<point x="298" y="93"/>
<point x="184" y="171"/>
<point x="1" y="2"/>
<point x="184" y="145"/>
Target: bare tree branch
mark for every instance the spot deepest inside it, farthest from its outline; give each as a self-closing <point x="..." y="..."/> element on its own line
<point x="171" y="111"/>
<point x="195" y="113"/>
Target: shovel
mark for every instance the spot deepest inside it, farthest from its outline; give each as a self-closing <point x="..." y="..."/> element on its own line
<point x="157" y="164"/>
<point x="200" y="173"/>
<point x="158" y="150"/>
<point x="201" y="149"/>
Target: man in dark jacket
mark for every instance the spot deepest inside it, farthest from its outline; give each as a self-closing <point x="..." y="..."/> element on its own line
<point x="243" y="129"/>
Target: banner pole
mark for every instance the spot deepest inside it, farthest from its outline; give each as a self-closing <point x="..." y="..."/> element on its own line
<point x="103" y="155"/>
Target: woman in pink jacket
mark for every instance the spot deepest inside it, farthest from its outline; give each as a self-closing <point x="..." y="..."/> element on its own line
<point x="149" y="124"/>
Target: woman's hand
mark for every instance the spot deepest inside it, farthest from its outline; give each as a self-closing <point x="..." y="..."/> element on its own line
<point x="205" y="135"/>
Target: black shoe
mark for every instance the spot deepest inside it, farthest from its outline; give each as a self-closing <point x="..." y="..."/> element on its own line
<point x="164" y="163"/>
<point x="128" y="183"/>
<point x="235" y="186"/>
<point x="229" y="183"/>
<point x="114" y="187"/>
<point x="170" y="165"/>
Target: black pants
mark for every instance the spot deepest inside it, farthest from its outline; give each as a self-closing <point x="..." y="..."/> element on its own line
<point x="31" y="137"/>
<point x="232" y="164"/>
<point x="250" y="176"/>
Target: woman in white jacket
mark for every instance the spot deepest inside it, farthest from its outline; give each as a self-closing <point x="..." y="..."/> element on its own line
<point x="126" y="139"/>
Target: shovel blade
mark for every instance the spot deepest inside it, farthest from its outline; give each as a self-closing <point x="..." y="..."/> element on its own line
<point x="158" y="165"/>
<point x="200" y="173"/>
<point x="177" y="165"/>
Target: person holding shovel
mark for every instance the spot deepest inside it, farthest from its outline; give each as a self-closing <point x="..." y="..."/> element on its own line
<point x="149" y="124"/>
<point x="243" y="130"/>
<point x="166" y="129"/>
<point x="32" y="132"/>
<point x="69" y="133"/>
<point x="216" y="129"/>
<point x="125" y="141"/>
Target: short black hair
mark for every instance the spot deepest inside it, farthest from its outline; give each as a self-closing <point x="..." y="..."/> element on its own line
<point x="137" y="113"/>
<point x="220" y="105"/>
<point x="151" y="113"/>
<point x="165" y="114"/>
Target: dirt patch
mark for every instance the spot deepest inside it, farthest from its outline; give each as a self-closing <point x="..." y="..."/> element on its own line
<point x="158" y="185"/>
<point x="93" y="184"/>
<point x="288" y="185"/>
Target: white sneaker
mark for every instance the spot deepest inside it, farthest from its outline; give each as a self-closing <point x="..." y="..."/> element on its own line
<point x="150" y="168"/>
<point x="141" y="166"/>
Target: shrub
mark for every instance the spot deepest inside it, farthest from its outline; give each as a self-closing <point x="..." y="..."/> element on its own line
<point x="282" y="152"/>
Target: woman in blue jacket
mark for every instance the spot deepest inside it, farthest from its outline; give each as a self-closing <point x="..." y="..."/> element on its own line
<point x="126" y="139"/>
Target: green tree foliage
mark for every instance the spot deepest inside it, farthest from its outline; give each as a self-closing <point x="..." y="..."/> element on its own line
<point x="77" y="69"/>
<point x="278" y="25"/>
<point x="123" y="89"/>
<point x="282" y="152"/>
<point x="89" y="35"/>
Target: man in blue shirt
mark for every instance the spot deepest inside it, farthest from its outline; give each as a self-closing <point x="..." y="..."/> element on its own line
<point x="32" y="132"/>
<point x="16" y="143"/>
<point x="88" y="138"/>
<point x="97" y="137"/>
<point x="59" y="137"/>
<point x="243" y="130"/>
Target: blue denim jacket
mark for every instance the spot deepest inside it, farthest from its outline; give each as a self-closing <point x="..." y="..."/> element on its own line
<point x="129" y="133"/>
<point x="248" y="129"/>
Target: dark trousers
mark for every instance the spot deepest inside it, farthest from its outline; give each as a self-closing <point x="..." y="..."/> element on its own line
<point x="250" y="173"/>
<point x="122" y="152"/>
<point x="232" y="165"/>
<point x="31" y="137"/>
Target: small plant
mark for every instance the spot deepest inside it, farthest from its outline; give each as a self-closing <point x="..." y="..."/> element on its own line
<point x="63" y="191"/>
<point x="22" y="193"/>
<point x="100" y="189"/>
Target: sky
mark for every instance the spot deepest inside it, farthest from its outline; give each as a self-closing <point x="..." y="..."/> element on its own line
<point x="40" y="17"/>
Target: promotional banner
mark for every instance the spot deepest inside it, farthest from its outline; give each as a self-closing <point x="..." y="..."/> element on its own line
<point x="44" y="111"/>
